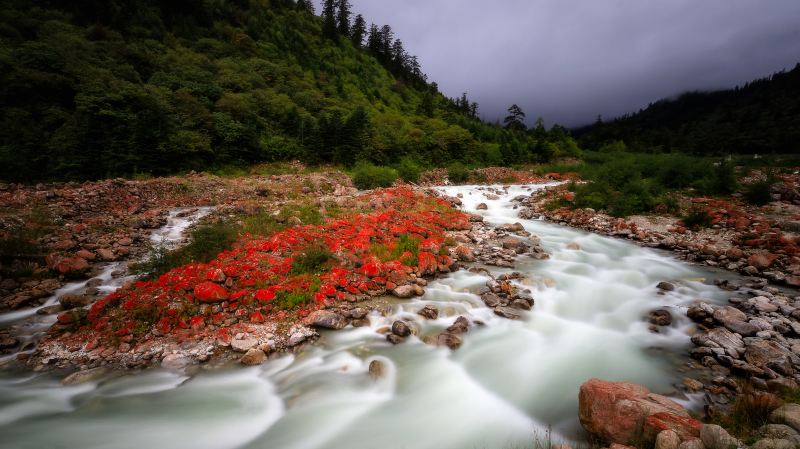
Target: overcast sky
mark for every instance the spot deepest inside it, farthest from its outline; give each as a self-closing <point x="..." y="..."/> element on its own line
<point x="570" y="60"/>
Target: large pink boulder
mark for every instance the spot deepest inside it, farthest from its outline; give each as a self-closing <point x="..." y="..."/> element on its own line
<point x="616" y="411"/>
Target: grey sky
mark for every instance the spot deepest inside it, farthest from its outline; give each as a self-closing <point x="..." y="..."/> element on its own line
<point x="570" y="60"/>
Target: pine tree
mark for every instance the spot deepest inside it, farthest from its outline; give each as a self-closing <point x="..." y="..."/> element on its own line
<point x="358" y="31"/>
<point x="306" y="5"/>
<point x="387" y="38"/>
<point x="329" y="18"/>
<point x="515" y="120"/>
<point x="398" y="55"/>
<point x="375" y="40"/>
<point x="343" y="17"/>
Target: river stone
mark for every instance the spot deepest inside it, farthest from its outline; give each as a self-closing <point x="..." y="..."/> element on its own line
<point x="742" y="328"/>
<point x="401" y="329"/>
<point x="394" y="339"/>
<point x="762" y="353"/>
<point x="448" y="339"/>
<point x="720" y="337"/>
<point x="175" y="362"/>
<point x="660" y="317"/>
<point x="377" y="369"/>
<point x="729" y="313"/>
<point x="405" y="291"/>
<point x="769" y="443"/>
<point x="84" y="376"/>
<point x="482" y="206"/>
<point x="665" y="286"/>
<point x="327" y="319"/>
<point x="460" y="326"/>
<point x="693" y="443"/>
<point x="507" y="312"/>
<point x="430" y="312"/>
<point x="715" y="437"/>
<point x="667" y="439"/>
<point x="762" y="304"/>
<point x="779" y="432"/>
<point x="254" y="356"/>
<point x="72" y="301"/>
<point x="788" y="414"/>
<point x="244" y="344"/>
<point x="491" y="299"/>
<point x="298" y="335"/>
<point x="520" y="303"/>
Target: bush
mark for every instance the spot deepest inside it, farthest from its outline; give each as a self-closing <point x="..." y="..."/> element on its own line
<point x="408" y="169"/>
<point x="697" y="217"/>
<point x="758" y="193"/>
<point x="368" y="176"/>
<point x="313" y="260"/>
<point x="458" y="173"/>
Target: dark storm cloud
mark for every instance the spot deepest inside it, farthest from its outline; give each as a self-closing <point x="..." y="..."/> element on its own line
<point x="570" y="60"/>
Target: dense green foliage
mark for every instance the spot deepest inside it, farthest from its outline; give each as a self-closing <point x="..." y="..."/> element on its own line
<point x="97" y="89"/>
<point x="624" y="183"/>
<point x="369" y="176"/>
<point x="761" y="117"/>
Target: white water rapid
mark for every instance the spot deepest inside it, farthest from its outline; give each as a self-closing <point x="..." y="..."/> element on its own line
<point x="508" y="382"/>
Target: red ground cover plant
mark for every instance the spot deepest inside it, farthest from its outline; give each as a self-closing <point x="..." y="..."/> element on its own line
<point x="402" y="233"/>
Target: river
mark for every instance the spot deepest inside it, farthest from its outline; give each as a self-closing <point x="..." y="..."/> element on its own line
<point x="508" y="384"/>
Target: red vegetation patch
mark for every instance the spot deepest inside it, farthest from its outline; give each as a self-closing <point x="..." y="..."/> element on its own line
<point x="254" y="281"/>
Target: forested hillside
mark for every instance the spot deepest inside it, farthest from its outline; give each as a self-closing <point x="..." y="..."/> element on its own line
<point x="97" y="88"/>
<point x="761" y="117"/>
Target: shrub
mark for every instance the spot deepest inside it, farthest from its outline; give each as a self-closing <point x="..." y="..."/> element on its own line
<point x="758" y="193"/>
<point x="697" y="217"/>
<point x="313" y="260"/>
<point x="368" y="176"/>
<point x="458" y="173"/>
<point x="408" y="169"/>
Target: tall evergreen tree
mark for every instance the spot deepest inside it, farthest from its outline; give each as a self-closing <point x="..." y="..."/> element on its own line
<point x="343" y="17"/>
<point x="398" y="55"/>
<point x="358" y="31"/>
<point x="329" y="18"/>
<point x="387" y="38"/>
<point x="375" y="39"/>
<point x="515" y="120"/>
<point x="306" y="5"/>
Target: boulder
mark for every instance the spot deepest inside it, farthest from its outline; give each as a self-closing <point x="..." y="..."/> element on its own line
<point x="616" y="411"/>
<point x="106" y="254"/>
<point x="720" y="337"/>
<point x="210" y="292"/>
<point x="507" y="312"/>
<point x="460" y="326"/>
<point x="780" y="432"/>
<point x="482" y="206"/>
<point x="72" y="301"/>
<point x="464" y="253"/>
<point x="684" y="426"/>
<point x="401" y="328"/>
<point x="762" y="261"/>
<point x="715" y="437"/>
<point x="667" y="439"/>
<point x="788" y="414"/>
<point x="770" y="443"/>
<point x="694" y="443"/>
<point x="448" y="339"/>
<point x="660" y="317"/>
<point x="405" y="291"/>
<point x="665" y="286"/>
<point x="394" y="339"/>
<point x="729" y="313"/>
<point x="377" y="369"/>
<point x="430" y="312"/>
<point x="326" y="319"/>
<point x="254" y="356"/>
<point x="244" y="344"/>
<point x="491" y="299"/>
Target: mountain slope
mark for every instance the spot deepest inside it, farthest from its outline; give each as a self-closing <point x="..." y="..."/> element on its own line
<point x="761" y="117"/>
<point x="95" y="89"/>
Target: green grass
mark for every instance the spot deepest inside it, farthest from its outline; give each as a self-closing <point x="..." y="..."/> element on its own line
<point x="404" y="243"/>
<point x="758" y="193"/>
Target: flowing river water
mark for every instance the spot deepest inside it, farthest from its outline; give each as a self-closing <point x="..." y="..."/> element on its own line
<point x="507" y="384"/>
